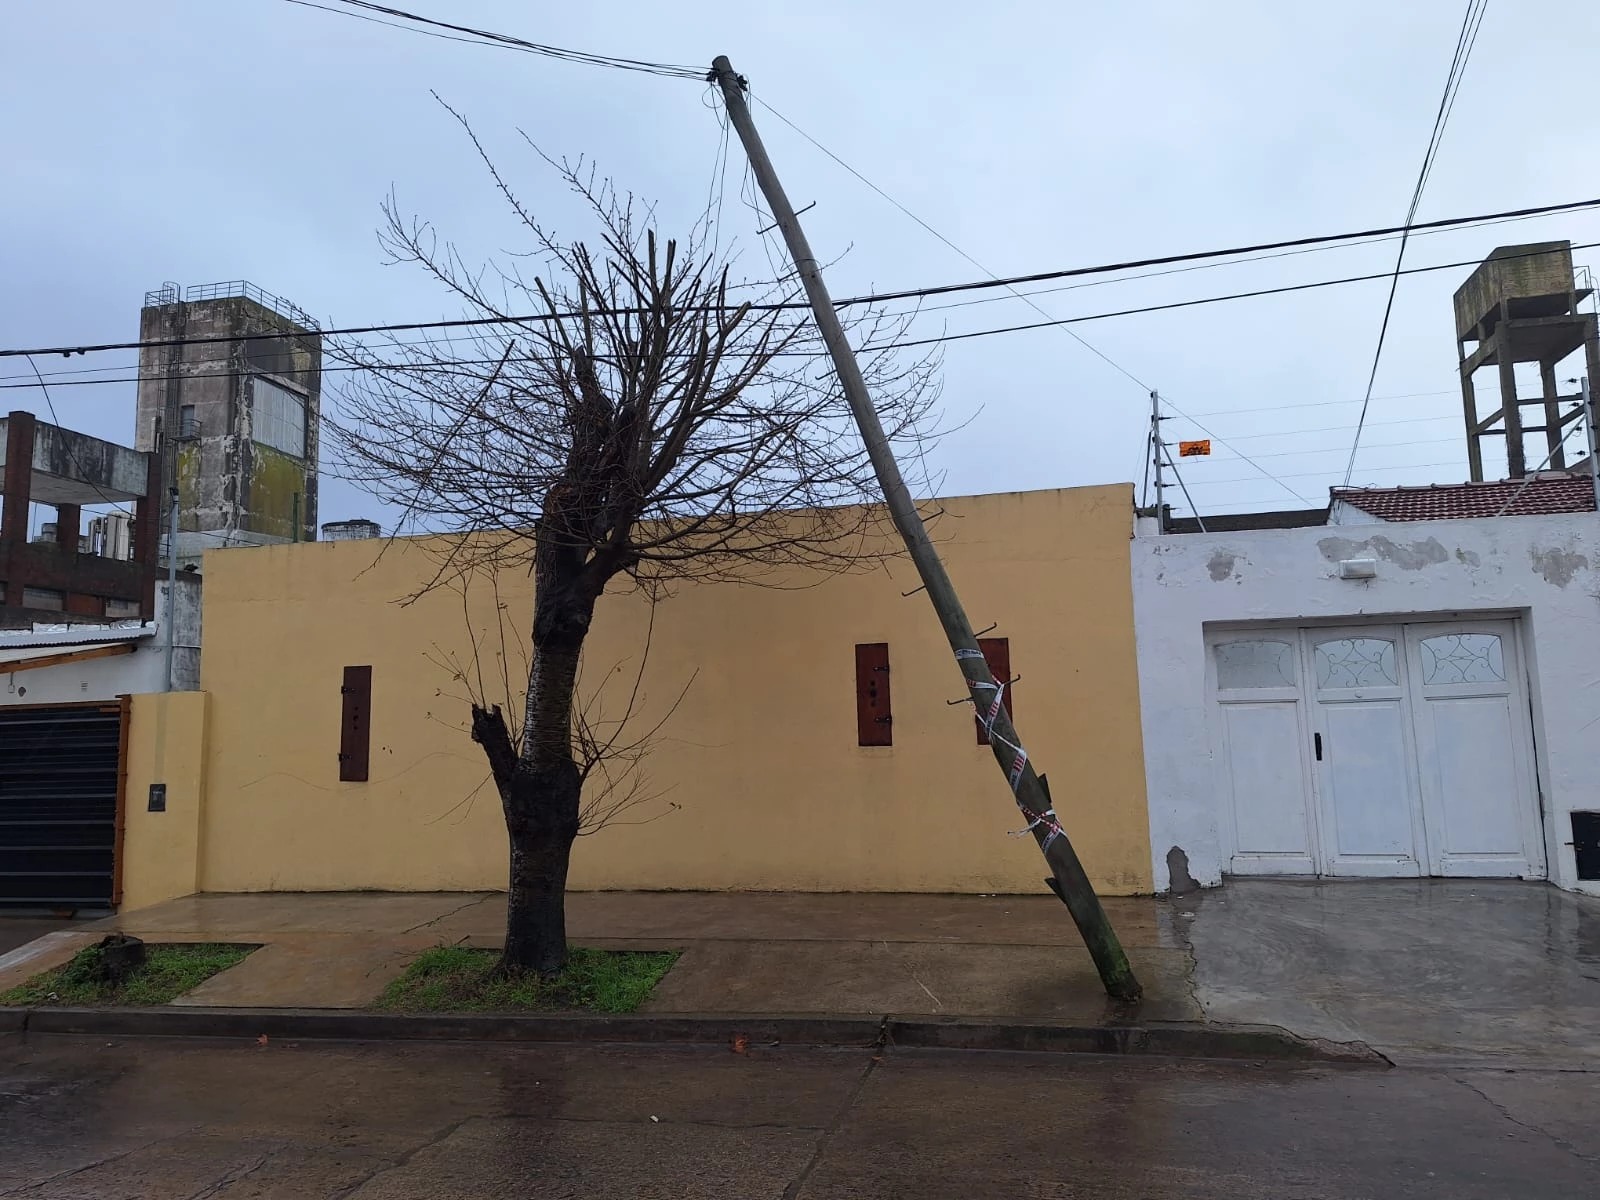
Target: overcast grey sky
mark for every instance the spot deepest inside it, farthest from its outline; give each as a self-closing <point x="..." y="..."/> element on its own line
<point x="201" y="140"/>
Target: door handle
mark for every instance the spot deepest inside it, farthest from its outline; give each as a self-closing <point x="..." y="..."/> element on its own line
<point x="1317" y="739"/>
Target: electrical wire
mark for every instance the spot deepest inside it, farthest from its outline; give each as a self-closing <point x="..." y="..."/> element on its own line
<point x="506" y="41"/>
<point x="849" y="302"/>
<point x="1232" y="412"/>
<point x="1432" y="441"/>
<point x="1326" y="474"/>
<point x="1184" y="487"/>
<point x="719" y="180"/>
<point x="479" y="322"/>
<point x="996" y="281"/>
<point x="784" y="354"/>
<point x="1150" y="308"/>
<point x="1253" y="437"/>
<point x="67" y="442"/>
<point x="1219" y="265"/>
<point x="1534" y="474"/>
<point x="1465" y="40"/>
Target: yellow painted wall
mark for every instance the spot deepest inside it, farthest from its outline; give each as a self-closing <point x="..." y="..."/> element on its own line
<point x="761" y="784"/>
<point x="166" y="744"/>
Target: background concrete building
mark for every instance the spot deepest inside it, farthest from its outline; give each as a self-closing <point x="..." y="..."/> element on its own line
<point x="59" y="578"/>
<point x="233" y="413"/>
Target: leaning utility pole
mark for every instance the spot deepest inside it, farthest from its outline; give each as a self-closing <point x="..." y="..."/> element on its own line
<point x="1069" y="882"/>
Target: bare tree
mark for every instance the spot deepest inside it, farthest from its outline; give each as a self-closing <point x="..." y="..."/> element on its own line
<point x="653" y="421"/>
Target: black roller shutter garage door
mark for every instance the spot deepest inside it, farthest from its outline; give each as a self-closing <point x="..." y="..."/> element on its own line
<point x="58" y="805"/>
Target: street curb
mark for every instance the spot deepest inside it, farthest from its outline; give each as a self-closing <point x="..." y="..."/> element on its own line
<point x="951" y="1033"/>
<point x="1176" y="1040"/>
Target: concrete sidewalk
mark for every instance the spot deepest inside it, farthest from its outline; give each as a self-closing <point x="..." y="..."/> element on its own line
<point x="750" y="953"/>
<point x="1507" y="970"/>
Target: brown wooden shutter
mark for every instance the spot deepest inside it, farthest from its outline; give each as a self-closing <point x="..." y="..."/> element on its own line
<point x="997" y="653"/>
<point x="874" y="718"/>
<point x="355" y="725"/>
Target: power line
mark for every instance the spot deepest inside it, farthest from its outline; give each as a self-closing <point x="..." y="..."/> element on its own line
<point x="1009" y="285"/>
<point x="1433" y="441"/>
<point x="1333" y="473"/>
<point x="1238" y="453"/>
<point x="995" y="280"/>
<point x="1237" y="262"/>
<point x="1465" y="40"/>
<point x="1254" y="437"/>
<point x="1534" y="474"/>
<point x="1176" y="474"/>
<point x="1233" y="412"/>
<point x="853" y="301"/>
<point x="1150" y="308"/>
<point x="71" y="453"/>
<point x="506" y="41"/>
<point x="480" y="322"/>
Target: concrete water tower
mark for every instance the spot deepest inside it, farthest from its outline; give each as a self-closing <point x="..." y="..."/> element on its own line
<point x="233" y="411"/>
<point x="1521" y="306"/>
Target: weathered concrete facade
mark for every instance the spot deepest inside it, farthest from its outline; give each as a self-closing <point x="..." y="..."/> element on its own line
<point x="56" y="580"/>
<point x="1522" y="306"/>
<point x="1533" y="578"/>
<point x="239" y="483"/>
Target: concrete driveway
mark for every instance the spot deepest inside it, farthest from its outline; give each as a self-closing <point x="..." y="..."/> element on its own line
<point x="1419" y="969"/>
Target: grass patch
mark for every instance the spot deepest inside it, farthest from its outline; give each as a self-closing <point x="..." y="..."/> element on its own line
<point x="457" y="979"/>
<point x="170" y="969"/>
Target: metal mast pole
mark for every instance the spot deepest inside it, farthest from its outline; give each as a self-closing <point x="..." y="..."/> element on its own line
<point x="1160" y="452"/>
<point x="172" y="583"/>
<point x="1069" y="880"/>
<point x="1594" y="442"/>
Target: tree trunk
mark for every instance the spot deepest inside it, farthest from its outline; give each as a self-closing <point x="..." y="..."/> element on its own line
<point x="541" y="823"/>
<point x="541" y="788"/>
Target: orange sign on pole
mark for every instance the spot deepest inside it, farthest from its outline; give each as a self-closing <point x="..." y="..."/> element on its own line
<point x="1198" y="449"/>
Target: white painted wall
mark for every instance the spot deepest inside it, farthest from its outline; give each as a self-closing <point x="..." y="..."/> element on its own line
<point x="95" y="679"/>
<point x="1545" y="570"/>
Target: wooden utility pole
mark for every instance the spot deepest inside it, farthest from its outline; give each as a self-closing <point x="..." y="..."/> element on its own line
<point x="1069" y="881"/>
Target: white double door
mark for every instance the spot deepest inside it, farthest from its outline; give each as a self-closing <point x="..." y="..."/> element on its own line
<point x="1376" y="750"/>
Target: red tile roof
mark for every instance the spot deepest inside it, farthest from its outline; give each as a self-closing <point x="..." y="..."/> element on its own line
<point x="1553" y="492"/>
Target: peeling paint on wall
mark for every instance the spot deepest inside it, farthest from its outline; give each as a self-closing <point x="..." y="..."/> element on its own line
<point x="1556" y="565"/>
<point x="1221" y="565"/>
<point x="1469" y="557"/>
<point x="1411" y="556"/>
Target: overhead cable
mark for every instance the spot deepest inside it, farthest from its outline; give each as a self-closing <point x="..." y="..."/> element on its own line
<point x="1465" y="40"/>
<point x="868" y="348"/>
<point x="417" y="24"/>
<point x="848" y="302"/>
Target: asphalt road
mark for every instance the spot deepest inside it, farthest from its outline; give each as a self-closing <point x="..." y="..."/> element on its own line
<point x="170" y="1118"/>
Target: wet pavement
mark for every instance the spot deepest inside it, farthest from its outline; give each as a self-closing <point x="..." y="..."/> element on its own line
<point x="1420" y="969"/>
<point x="17" y="931"/>
<point x="169" y="1118"/>
<point x="1436" y="969"/>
